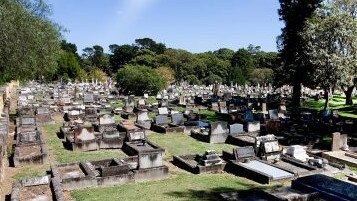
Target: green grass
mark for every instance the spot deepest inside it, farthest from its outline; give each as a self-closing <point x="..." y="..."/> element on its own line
<point x="210" y="116"/>
<point x="117" y="103"/>
<point x="179" y="144"/>
<point x="62" y="155"/>
<point x="151" y="100"/>
<point x="336" y="103"/>
<point x="181" y="186"/>
<point x="30" y="171"/>
<point x="117" y="118"/>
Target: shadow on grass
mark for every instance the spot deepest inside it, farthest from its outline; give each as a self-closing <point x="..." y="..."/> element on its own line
<point x="212" y="193"/>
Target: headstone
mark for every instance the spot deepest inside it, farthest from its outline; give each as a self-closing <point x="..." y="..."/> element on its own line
<point x="141" y="102"/>
<point x="343" y="142"/>
<point x="297" y="151"/>
<point x="248" y="116"/>
<point x="142" y="116"/>
<point x="336" y="141"/>
<point x="28" y="121"/>
<point x="271" y="147"/>
<point x="210" y="158"/>
<point x="106" y="119"/>
<point x="163" y="111"/>
<point x="177" y="119"/>
<point x="253" y="126"/>
<point x="244" y="152"/>
<point x="236" y="129"/>
<point x="273" y="114"/>
<point x="88" y="98"/>
<point x="264" y="107"/>
<point x="162" y="119"/>
<point x="218" y="128"/>
<point x="136" y="136"/>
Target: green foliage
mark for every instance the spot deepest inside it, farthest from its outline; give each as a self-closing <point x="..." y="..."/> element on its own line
<point x="96" y="74"/>
<point x="68" y="66"/>
<point x="290" y="44"/>
<point x="261" y="75"/>
<point x="237" y="76"/>
<point x="94" y="57"/>
<point x="150" y="44"/>
<point x="29" y="41"/>
<point x="121" y="56"/>
<point x="331" y="46"/>
<point x="138" y="80"/>
<point x="193" y="80"/>
<point x="212" y="78"/>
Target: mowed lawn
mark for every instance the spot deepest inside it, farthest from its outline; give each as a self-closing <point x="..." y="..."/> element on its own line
<point x="180" y="186"/>
<point x="336" y="103"/>
<point x="179" y="144"/>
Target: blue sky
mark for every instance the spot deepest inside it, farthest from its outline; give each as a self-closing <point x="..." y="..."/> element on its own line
<point x="194" y="25"/>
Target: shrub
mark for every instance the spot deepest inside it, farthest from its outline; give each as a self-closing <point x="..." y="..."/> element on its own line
<point x="138" y="80"/>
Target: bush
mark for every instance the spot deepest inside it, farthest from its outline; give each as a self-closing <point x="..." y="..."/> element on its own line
<point x="138" y="80"/>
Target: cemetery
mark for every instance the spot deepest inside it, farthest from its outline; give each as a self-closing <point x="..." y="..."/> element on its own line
<point x="142" y="120"/>
<point x="263" y="150"/>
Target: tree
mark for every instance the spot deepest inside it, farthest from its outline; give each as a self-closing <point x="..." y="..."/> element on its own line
<point x="150" y="44"/>
<point x="242" y="63"/>
<point x="138" y="80"/>
<point x="261" y="76"/>
<point x="167" y="74"/>
<point x="121" y="56"/>
<point x="224" y="53"/>
<point x="29" y="41"/>
<point x="330" y="39"/>
<point x="294" y="13"/>
<point x="144" y="57"/>
<point x="68" y="66"/>
<point x="96" y="74"/>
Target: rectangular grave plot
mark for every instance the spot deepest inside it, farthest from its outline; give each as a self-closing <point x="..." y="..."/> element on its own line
<point x="328" y="187"/>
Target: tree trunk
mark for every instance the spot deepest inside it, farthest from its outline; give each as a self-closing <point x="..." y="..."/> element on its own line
<point x="327" y="99"/>
<point x="296" y="94"/>
<point x="348" y="94"/>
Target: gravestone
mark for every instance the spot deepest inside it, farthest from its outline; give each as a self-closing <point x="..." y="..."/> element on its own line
<point x="343" y="142"/>
<point x="133" y="136"/>
<point x="141" y="102"/>
<point x="264" y="107"/>
<point x="162" y="119"/>
<point x="236" y="129"/>
<point x="297" y="151"/>
<point x="219" y="127"/>
<point x="142" y="116"/>
<point x="215" y="106"/>
<point x="163" y="111"/>
<point x="210" y="157"/>
<point x="106" y="119"/>
<point x="336" y="141"/>
<point x="43" y="110"/>
<point x="244" y="152"/>
<point x="88" y="98"/>
<point x="253" y="126"/>
<point x="273" y="114"/>
<point x="28" y="121"/>
<point x="248" y="116"/>
<point x="177" y="119"/>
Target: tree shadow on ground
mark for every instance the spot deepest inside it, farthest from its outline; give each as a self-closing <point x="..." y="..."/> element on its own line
<point x="213" y="193"/>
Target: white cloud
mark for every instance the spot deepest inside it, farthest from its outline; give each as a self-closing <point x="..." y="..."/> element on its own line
<point x="133" y="9"/>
